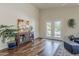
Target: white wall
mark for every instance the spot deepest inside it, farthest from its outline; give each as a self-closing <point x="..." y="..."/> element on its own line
<point x="62" y="14"/>
<point x="9" y="13"/>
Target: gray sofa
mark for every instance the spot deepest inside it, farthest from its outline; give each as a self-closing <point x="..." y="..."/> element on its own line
<point x="71" y="46"/>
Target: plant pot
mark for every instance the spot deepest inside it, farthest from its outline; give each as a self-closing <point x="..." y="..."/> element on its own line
<point x="12" y="45"/>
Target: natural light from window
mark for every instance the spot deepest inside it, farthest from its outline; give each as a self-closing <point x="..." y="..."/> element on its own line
<point x="57" y="29"/>
<point x="48" y="27"/>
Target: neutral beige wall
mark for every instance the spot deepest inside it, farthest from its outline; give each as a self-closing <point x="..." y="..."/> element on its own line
<point x="9" y="13"/>
<point x="62" y="14"/>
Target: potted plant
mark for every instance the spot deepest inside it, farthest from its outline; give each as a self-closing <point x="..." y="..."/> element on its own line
<point x="8" y="35"/>
<point x="71" y="23"/>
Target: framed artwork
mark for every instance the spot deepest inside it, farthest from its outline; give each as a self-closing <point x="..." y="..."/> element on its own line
<point x="23" y="25"/>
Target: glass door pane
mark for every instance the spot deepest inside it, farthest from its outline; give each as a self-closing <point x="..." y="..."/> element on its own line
<point x="57" y="29"/>
<point x="48" y="29"/>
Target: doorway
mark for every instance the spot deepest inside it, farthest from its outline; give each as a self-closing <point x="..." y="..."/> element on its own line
<point x="53" y="29"/>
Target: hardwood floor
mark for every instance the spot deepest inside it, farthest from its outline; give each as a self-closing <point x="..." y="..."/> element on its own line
<point x="40" y="47"/>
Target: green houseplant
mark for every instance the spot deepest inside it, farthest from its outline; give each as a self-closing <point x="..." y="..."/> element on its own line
<point x="7" y="33"/>
<point x="71" y="23"/>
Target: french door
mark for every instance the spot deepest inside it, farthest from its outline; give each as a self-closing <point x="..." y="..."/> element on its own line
<point x="53" y="29"/>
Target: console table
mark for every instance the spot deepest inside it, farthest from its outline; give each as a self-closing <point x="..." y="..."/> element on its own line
<point x="22" y="38"/>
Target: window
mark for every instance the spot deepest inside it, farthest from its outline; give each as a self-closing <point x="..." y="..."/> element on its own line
<point x="57" y="29"/>
<point x="48" y="28"/>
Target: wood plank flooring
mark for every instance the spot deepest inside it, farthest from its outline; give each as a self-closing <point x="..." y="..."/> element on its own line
<point x="40" y="47"/>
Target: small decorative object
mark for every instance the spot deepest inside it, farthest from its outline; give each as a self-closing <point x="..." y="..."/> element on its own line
<point x="71" y="22"/>
<point x="71" y="37"/>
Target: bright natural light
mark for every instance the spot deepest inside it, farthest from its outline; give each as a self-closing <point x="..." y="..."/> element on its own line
<point x="57" y="29"/>
<point x="48" y="27"/>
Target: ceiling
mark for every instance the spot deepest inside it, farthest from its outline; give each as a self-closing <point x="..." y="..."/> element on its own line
<point x="54" y="5"/>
